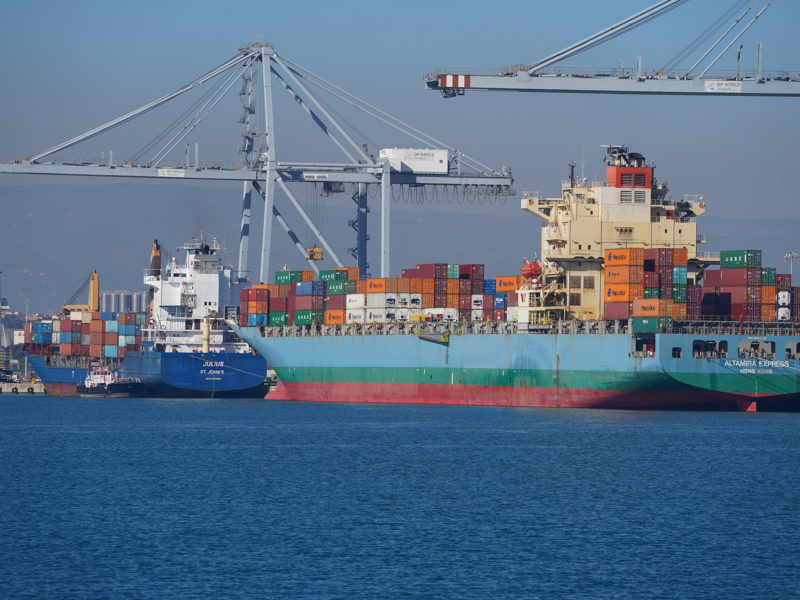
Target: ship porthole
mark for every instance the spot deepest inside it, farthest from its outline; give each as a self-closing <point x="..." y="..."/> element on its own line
<point x="30" y="390"/>
<point x="14" y="390"/>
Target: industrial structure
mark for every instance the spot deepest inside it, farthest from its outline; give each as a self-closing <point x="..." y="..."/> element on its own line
<point x="697" y="80"/>
<point x="256" y="68"/>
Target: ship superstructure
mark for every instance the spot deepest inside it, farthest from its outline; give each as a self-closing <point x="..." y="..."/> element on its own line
<point x="189" y="298"/>
<point x="630" y="208"/>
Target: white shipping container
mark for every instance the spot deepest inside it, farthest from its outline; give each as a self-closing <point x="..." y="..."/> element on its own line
<point x="477" y="301"/>
<point x="355" y="301"/>
<point x="415" y="160"/>
<point x="391" y="299"/>
<point x="85" y="339"/>
<point x="76" y="315"/>
<point x="434" y="313"/>
<point x="784" y="298"/>
<point x="56" y="337"/>
<point x="56" y="326"/>
<point x="86" y="317"/>
<point x="19" y="336"/>
<point x="376" y="315"/>
<point x="403" y="315"/>
<point x="376" y="300"/>
<point x="784" y="314"/>
<point x="415" y="300"/>
<point x="451" y="314"/>
<point x="512" y="313"/>
<point x="477" y="315"/>
<point x="354" y="315"/>
<point x="403" y="300"/>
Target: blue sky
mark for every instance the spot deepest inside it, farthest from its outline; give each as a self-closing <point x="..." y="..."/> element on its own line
<point x="69" y="67"/>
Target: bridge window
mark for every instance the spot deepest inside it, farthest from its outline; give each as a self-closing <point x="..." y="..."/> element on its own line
<point x="575" y="299"/>
<point x="640" y="179"/>
<point x="639" y="196"/>
<point x="704" y="348"/>
<point x="763" y="349"/>
<point x="588" y="282"/>
<point x="676" y="352"/>
<point x="626" y="196"/>
<point x="626" y="180"/>
<point x="723" y="349"/>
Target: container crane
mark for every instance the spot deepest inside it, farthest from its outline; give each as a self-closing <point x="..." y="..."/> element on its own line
<point x="93" y="304"/>
<point x="533" y="77"/>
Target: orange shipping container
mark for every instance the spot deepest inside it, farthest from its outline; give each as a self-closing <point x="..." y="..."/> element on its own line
<point x="307" y="275"/>
<point x="624" y="257"/>
<point x="680" y="257"/>
<point x="452" y="300"/>
<point x="678" y="311"/>
<point x="427" y="298"/>
<point x="452" y="286"/>
<point x="260" y="286"/>
<point x="427" y="287"/>
<point x="647" y="308"/>
<point x="361" y="286"/>
<point x="376" y="286"/>
<point x="333" y="317"/>
<point x="768" y="312"/>
<point x="622" y="292"/>
<point x="769" y="295"/>
<point x="414" y="285"/>
<point x="252" y="307"/>
<point x="404" y="286"/>
<point x="627" y="274"/>
<point x="506" y="284"/>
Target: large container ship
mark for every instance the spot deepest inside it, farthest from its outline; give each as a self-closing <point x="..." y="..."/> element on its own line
<point x="181" y="347"/>
<point x="621" y="311"/>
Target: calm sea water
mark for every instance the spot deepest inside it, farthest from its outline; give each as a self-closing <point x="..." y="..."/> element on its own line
<point x="129" y="498"/>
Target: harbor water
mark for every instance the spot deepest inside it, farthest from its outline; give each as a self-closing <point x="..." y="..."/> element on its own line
<point x="134" y="498"/>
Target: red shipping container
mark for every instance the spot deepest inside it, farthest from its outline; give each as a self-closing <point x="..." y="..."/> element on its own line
<point x="440" y="286"/>
<point x="464" y="302"/>
<point x="433" y="270"/>
<point x="110" y="338"/>
<point x="465" y="314"/>
<point x="291" y="303"/>
<point x="650" y="279"/>
<point x="783" y="281"/>
<point x="512" y="299"/>
<point x="464" y="287"/>
<point x="410" y="273"/>
<point x="96" y="338"/>
<point x="730" y="277"/>
<point x="713" y="278"/>
<point x="477" y="286"/>
<point x="335" y="302"/>
<point x="613" y="311"/>
<point x="488" y="301"/>
<point x="499" y="314"/>
<point x="242" y="319"/>
<point x="302" y="303"/>
<point x="738" y="292"/>
<point x="96" y="350"/>
<point x="438" y="300"/>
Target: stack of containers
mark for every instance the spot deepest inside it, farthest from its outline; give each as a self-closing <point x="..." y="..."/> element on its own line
<point x="473" y="275"/>
<point x="768" y="293"/>
<point x="795" y="303"/>
<point x="740" y="276"/>
<point x="623" y="282"/>
<point x="83" y="333"/>
<point x="783" y="297"/>
<point x="307" y="305"/>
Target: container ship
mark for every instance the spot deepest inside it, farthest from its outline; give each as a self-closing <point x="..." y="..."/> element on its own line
<point x="181" y="347"/>
<point x="620" y="311"/>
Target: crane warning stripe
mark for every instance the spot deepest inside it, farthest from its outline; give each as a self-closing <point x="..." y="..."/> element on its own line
<point x="458" y="81"/>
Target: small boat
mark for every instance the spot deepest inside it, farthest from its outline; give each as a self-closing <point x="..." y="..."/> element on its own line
<point x="108" y="384"/>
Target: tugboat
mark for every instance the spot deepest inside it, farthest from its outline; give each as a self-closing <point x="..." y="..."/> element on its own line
<point x="108" y="384"/>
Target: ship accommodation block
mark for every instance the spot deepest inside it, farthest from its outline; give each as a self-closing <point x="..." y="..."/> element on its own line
<point x="628" y="209"/>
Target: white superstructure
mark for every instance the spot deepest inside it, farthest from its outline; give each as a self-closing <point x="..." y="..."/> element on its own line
<point x="189" y="301"/>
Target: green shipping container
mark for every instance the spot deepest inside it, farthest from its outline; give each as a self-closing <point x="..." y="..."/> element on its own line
<point x="738" y="259"/>
<point x="452" y="271"/>
<point x="288" y="276"/>
<point x="651" y="293"/>
<point x="307" y="317"/>
<point x="332" y="275"/>
<point x="768" y="276"/>
<point x="651" y="324"/>
<point x="679" y="293"/>
<point x="337" y="288"/>
<point x="278" y="318"/>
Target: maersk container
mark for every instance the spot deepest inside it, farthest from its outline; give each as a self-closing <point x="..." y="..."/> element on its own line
<point x="262" y="319"/>
<point x="110" y="351"/>
<point x="356" y="301"/>
<point x="108" y="316"/>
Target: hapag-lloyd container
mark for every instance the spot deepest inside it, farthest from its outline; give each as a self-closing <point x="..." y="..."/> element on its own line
<point x="355" y="301"/>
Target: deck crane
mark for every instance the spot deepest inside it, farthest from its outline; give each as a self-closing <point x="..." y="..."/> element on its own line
<point x="533" y="78"/>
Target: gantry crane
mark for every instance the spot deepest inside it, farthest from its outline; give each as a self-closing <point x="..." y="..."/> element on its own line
<point x="533" y="78"/>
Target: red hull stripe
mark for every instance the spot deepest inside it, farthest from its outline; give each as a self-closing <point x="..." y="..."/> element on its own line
<point x="411" y="393"/>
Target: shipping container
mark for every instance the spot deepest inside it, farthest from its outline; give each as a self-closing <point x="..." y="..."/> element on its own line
<point x="651" y="324"/>
<point x="506" y="284"/>
<point x="613" y="311"/>
<point x="355" y="301"/>
<point x="732" y="259"/>
<point x="624" y="257"/>
<point x="288" y="276"/>
<point x="278" y="318"/>
<point x="490" y="286"/>
<point x="333" y="275"/>
<point x="334" y="317"/>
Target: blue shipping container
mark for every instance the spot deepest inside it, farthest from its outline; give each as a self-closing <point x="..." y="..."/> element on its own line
<point x="141" y="318"/>
<point x="111" y="351"/>
<point x="251" y="320"/>
<point x="310" y="288"/>
<point x="112" y="326"/>
<point x="66" y="337"/>
<point x="108" y="316"/>
<point x="262" y="320"/>
<point x="490" y="286"/>
<point x="500" y="301"/>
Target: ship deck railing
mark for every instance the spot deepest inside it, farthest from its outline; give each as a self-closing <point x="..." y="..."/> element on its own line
<point x="588" y="327"/>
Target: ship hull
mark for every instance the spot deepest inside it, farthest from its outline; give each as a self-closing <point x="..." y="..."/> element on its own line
<point x="190" y="375"/>
<point x="523" y="370"/>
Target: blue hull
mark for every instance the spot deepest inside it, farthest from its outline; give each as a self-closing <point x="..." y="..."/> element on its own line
<point x="164" y="374"/>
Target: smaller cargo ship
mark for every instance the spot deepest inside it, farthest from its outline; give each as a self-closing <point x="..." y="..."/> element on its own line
<point x="181" y="347"/>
